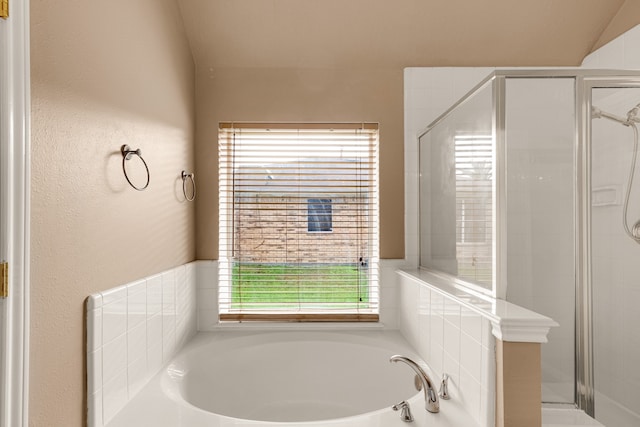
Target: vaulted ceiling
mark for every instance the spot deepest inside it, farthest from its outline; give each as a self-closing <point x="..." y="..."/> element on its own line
<point x="393" y="33"/>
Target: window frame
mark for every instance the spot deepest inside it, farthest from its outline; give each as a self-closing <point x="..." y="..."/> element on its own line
<point x="226" y="246"/>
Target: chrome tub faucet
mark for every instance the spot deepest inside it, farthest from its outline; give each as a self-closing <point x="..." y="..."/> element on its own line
<point x="431" y="402"/>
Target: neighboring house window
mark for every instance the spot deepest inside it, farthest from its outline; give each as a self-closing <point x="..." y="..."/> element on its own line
<point x="319" y="215"/>
<point x="298" y="222"/>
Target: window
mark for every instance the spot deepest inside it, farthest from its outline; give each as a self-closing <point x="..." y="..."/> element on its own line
<point x="319" y="216"/>
<point x="298" y="222"/>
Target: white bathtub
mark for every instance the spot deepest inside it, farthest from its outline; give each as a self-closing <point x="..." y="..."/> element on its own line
<point x="293" y="378"/>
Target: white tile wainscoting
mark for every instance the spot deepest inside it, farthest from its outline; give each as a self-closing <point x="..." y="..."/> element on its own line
<point x="132" y="331"/>
<point x="455" y="332"/>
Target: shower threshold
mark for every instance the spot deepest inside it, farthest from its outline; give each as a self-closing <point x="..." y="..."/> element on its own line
<point x="566" y="416"/>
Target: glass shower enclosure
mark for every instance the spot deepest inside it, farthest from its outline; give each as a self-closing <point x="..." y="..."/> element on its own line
<point x="527" y="194"/>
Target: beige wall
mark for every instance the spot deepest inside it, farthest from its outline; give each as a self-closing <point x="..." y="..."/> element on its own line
<point x="518" y="384"/>
<point x="302" y="95"/>
<point x="103" y="74"/>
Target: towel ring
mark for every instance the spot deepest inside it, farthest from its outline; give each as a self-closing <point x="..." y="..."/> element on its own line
<point x="189" y="177"/>
<point x="127" y="154"/>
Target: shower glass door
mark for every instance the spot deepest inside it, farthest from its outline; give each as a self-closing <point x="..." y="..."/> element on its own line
<point x="456" y="193"/>
<point x="615" y="256"/>
<point x="540" y="139"/>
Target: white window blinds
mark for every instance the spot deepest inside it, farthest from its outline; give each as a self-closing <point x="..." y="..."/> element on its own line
<point x="474" y="206"/>
<point x="298" y="222"/>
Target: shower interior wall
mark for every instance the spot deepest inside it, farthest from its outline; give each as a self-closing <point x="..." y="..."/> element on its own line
<point x="615" y="256"/>
<point x="615" y="268"/>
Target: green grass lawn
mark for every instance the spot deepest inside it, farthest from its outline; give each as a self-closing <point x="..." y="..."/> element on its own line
<point x="479" y="275"/>
<point x="276" y="286"/>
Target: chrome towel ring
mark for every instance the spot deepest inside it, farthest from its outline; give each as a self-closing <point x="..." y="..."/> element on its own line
<point x="189" y="177"/>
<point x="127" y="154"/>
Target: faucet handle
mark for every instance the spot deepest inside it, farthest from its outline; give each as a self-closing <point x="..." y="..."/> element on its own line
<point x="444" y="388"/>
<point x="405" y="415"/>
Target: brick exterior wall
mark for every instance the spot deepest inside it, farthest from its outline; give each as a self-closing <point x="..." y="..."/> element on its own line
<point x="274" y="229"/>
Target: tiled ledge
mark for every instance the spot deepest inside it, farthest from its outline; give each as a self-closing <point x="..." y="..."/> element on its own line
<point x="510" y="322"/>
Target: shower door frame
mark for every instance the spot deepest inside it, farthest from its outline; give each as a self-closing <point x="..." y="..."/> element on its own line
<point x="585" y="389"/>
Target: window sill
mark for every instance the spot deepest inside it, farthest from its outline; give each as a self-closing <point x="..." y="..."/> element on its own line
<point x="300" y="317"/>
<point x="283" y="326"/>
